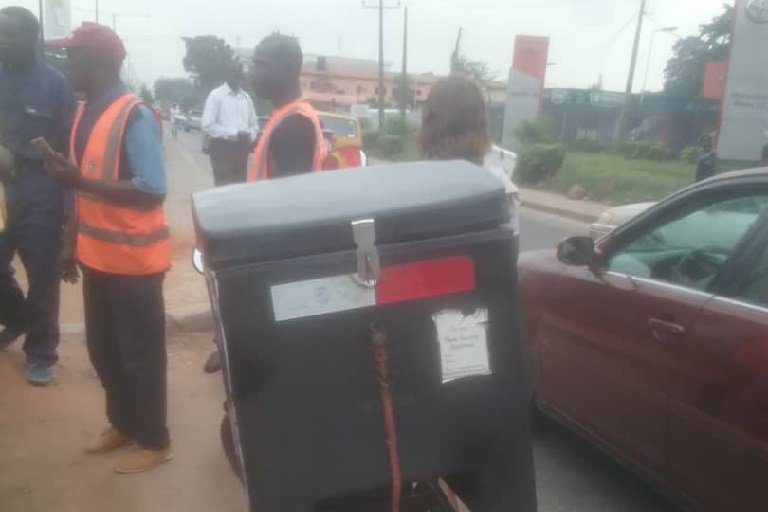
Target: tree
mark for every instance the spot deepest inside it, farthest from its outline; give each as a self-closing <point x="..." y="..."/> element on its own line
<point x="472" y="69"/>
<point x="207" y="60"/>
<point x="177" y="90"/>
<point x="146" y="95"/>
<point x="685" y="70"/>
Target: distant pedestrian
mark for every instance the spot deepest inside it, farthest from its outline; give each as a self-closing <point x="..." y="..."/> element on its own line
<point x="292" y="140"/>
<point x="176" y="121"/>
<point x="706" y="163"/>
<point x="230" y="120"/>
<point x="122" y="245"/>
<point x="764" y="156"/>
<point x="35" y="101"/>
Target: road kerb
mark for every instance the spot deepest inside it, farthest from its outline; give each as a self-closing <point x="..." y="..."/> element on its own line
<point x="560" y="211"/>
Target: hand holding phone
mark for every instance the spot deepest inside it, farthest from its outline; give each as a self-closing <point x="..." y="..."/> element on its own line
<point x="44" y="148"/>
<point x="57" y="164"/>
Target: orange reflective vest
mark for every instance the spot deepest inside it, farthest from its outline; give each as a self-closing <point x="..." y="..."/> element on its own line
<point x="261" y="164"/>
<point x="110" y="238"/>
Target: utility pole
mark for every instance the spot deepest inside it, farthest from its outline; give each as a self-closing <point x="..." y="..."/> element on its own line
<point x="405" y="88"/>
<point x="381" y="92"/>
<point x="42" y="22"/>
<point x="621" y="129"/>
<point x="668" y="30"/>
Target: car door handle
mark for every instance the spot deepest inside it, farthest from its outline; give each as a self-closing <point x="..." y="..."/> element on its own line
<point x="661" y="327"/>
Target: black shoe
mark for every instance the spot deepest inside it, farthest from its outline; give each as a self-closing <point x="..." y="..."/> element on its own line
<point x="213" y="364"/>
<point x="8" y="337"/>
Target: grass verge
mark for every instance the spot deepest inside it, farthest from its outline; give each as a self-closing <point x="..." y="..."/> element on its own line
<point x="615" y="180"/>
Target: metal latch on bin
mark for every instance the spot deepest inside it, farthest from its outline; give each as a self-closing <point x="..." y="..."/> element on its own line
<point x="368" y="262"/>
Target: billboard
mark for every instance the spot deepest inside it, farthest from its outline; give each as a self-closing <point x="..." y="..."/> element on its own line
<point x="714" y="80"/>
<point x="745" y="106"/>
<point x="57" y="19"/>
<point x="526" y="84"/>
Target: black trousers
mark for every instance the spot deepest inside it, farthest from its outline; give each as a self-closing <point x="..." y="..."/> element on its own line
<point x="229" y="160"/>
<point x="125" y="330"/>
<point x="34" y="229"/>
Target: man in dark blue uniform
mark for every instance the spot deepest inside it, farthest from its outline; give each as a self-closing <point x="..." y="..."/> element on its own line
<point x="35" y="101"/>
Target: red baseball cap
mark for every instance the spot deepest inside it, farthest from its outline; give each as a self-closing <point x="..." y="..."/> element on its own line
<point x="99" y="40"/>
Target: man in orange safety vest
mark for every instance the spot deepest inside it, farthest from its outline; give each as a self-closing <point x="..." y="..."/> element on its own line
<point x="292" y="140"/>
<point x="122" y="245"/>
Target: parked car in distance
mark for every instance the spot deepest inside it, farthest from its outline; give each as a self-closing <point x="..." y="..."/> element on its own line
<point x="193" y="120"/>
<point x="614" y="217"/>
<point x="653" y="341"/>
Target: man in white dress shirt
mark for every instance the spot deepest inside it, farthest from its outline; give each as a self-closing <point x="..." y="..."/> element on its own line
<point x="230" y="120"/>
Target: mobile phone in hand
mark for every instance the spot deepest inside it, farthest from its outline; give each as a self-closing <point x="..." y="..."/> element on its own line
<point x="43" y="147"/>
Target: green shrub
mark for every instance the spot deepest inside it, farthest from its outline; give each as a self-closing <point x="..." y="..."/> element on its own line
<point x="539" y="163"/>
<point x="391" y="146"/>
<point x="646" y="150"/>
<point x="690" y="155"/>
<point x="398" y="125"/>
<point x="537" y="131"/>
<point x="585" y="145"/>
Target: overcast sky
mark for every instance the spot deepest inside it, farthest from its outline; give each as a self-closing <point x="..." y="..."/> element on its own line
<point x="589" y="37"/>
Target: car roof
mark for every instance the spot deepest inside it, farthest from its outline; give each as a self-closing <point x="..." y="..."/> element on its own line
<point x="756" y="174"/>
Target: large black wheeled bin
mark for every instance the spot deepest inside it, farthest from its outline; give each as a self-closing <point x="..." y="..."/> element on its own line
<point x="302" y="269"/>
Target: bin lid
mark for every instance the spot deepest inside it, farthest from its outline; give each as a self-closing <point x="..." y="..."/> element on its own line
<point x="312" y="213"/>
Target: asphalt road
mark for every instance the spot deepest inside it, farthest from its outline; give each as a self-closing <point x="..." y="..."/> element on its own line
<point x="572" y="476"/>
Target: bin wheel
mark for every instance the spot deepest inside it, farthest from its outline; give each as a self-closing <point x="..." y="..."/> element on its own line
<point x="228" y="443"/>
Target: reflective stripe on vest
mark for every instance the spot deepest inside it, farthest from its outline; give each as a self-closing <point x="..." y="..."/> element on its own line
<point x="115" y="239"/>
<point x="259" y="169"/>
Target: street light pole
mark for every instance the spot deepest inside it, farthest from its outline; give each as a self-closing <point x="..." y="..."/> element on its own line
<point x="381" y="95"/>
<point x="42" y="22"/>
<point x="668" y="30"/>
<point x="97" y="11"/>
<point x="622" y="125"/>
<point x="381" y="68"/>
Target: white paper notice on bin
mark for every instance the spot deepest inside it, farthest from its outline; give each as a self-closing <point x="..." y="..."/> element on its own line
<point x="463" y="343"/>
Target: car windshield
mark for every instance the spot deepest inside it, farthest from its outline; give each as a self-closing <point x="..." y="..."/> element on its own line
<point x="340" y="126"/>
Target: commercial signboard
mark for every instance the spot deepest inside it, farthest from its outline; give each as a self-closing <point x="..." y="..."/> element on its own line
<point x="57" y="19"/>
<point x="526" y="84"/>
<point x="745" y="106"/>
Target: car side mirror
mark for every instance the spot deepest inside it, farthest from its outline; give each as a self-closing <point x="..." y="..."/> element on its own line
<point x="197" y="261"/>
<point x="577" y="251"/>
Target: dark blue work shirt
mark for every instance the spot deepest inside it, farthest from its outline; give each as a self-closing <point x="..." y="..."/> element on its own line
<point x="36" y="103"/>
<point x="141" y="159"/>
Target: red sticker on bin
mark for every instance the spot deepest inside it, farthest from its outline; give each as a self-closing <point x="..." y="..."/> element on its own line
<point x="425" y="279"/>
<point x="397" y="283"/>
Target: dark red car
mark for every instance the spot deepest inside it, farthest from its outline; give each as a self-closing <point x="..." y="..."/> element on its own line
<point x="653" y="342"/>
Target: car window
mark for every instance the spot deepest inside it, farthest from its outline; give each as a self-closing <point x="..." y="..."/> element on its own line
<point x="756" y="286"/>
<point x="340" y="126"/>
<point x="691" y="248"/>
